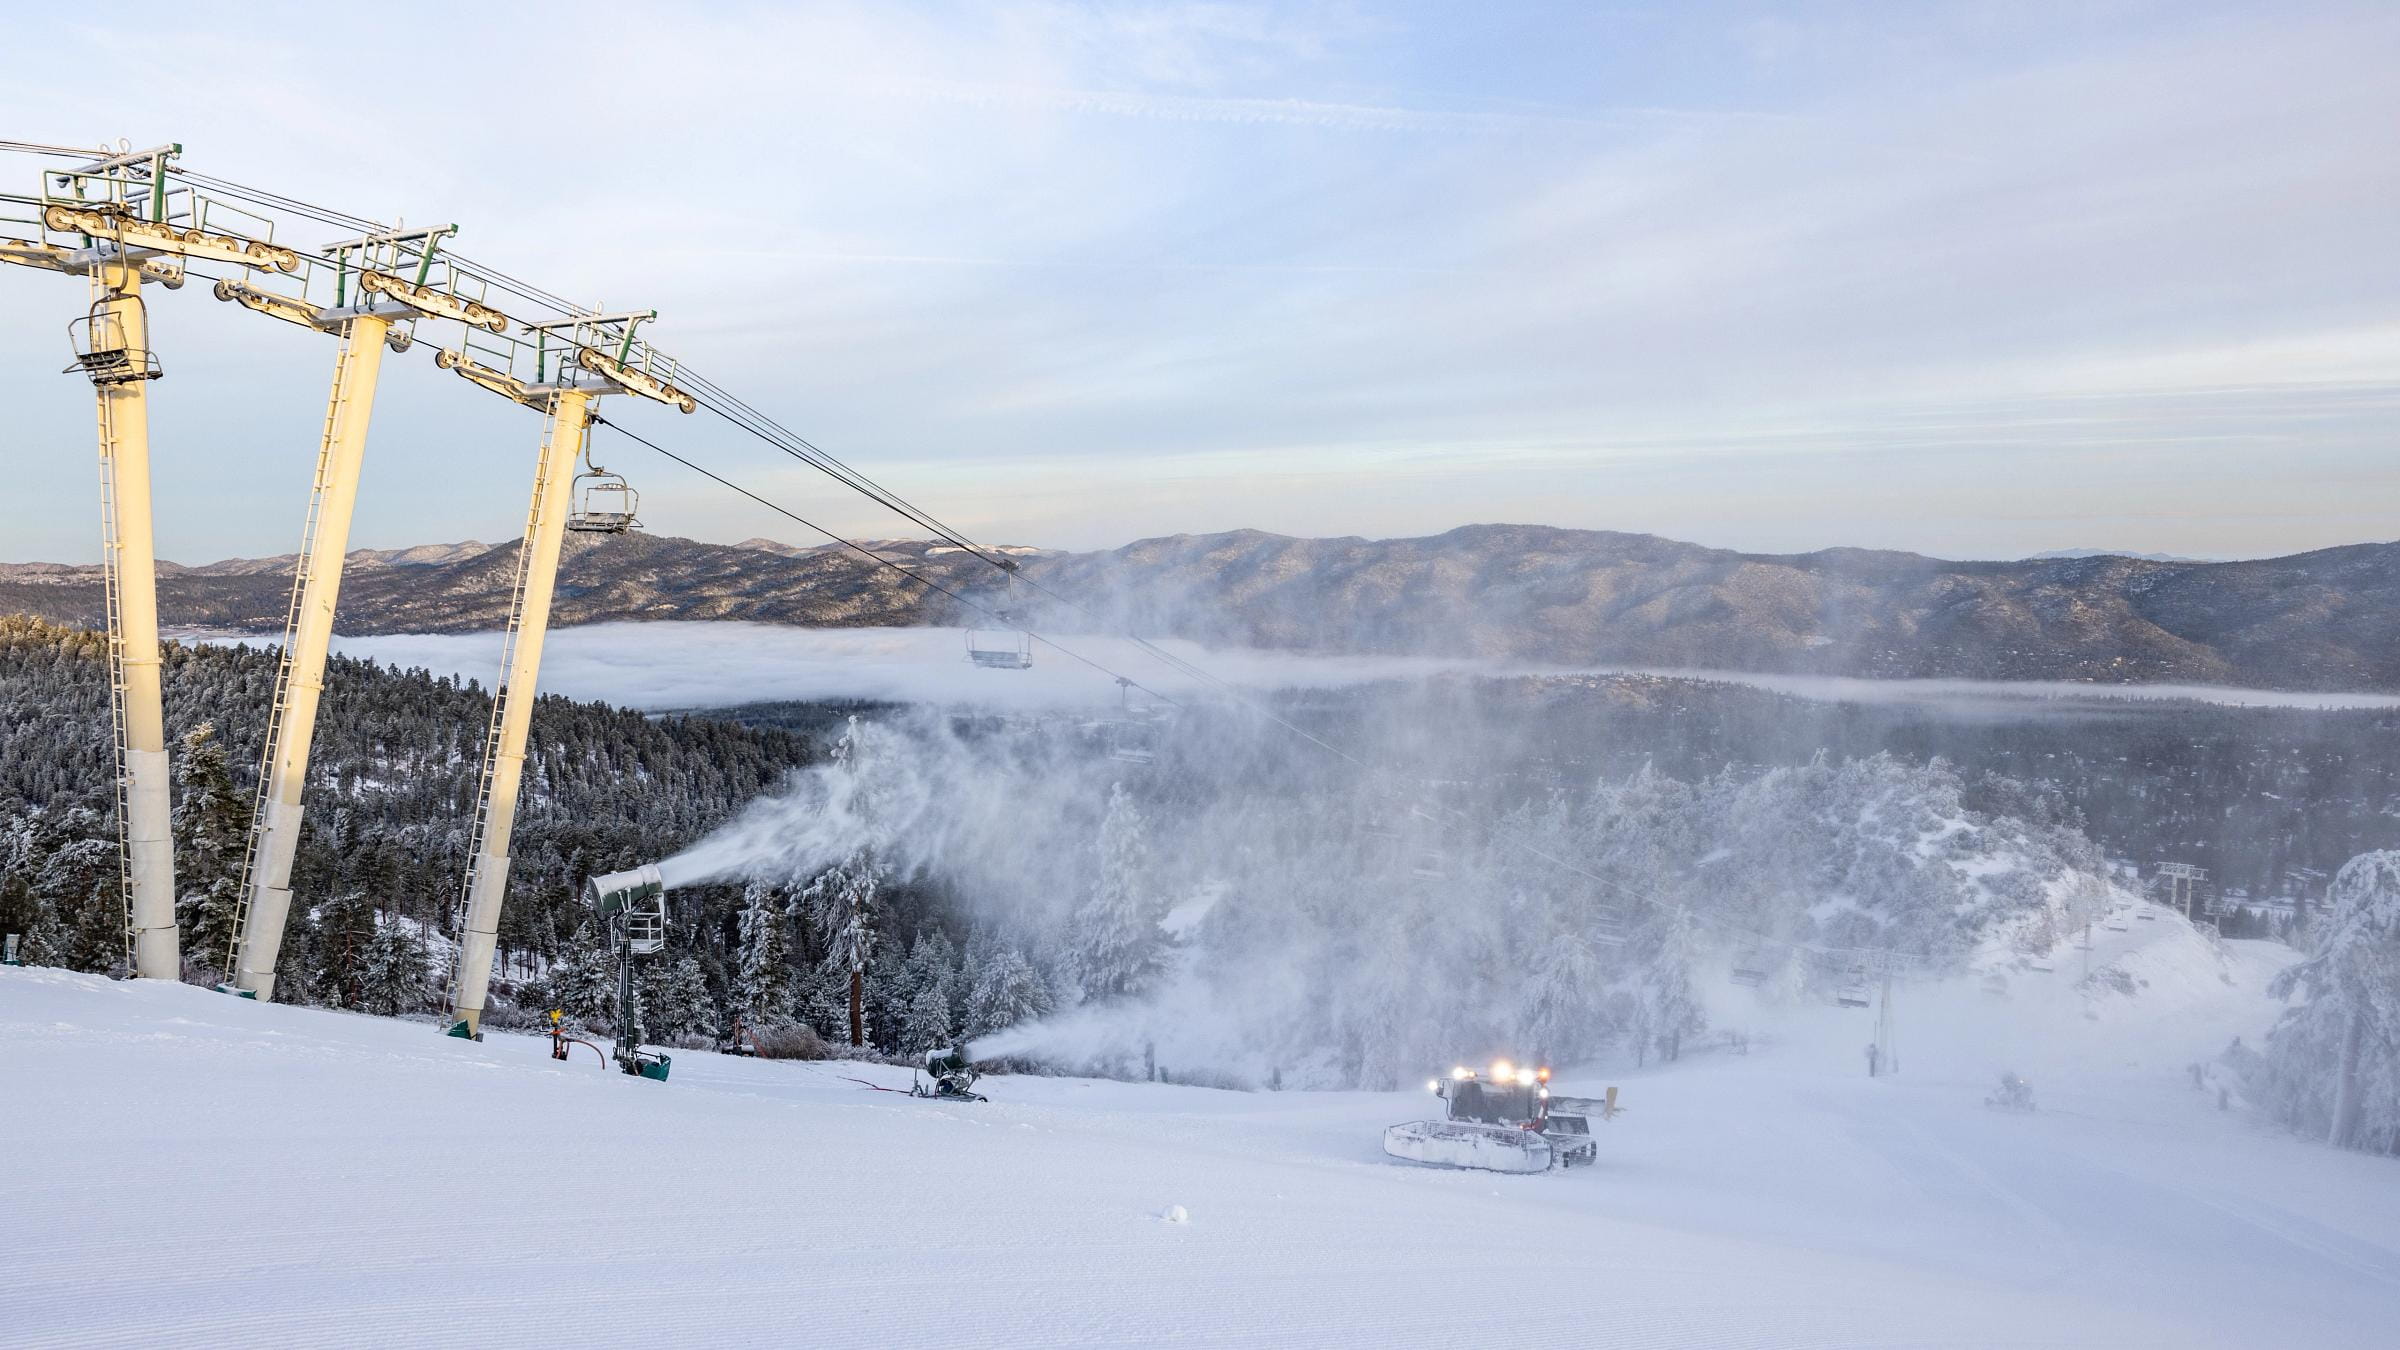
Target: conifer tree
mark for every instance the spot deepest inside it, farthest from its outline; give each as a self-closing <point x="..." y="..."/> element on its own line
<point x="842" y="904"/>
<point x="762" y="990"/>
<point x="675" y="999"/>
<point x="1667" y="1005"/>
<point x="2331" y="1061"/>
<point x="81" y="884"/>
<point x="926" y="1025"/>
<point x="393" y="976"/>
<point x="1007" y="991"/>
<point x="212" y="831"/>
<point x="1114" y="944"/>
<point x="346" y="934"/>
<point x="584" y="987"/>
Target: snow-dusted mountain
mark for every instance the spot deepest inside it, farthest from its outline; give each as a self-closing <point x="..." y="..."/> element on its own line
<point x="1531" y="594"/>
<point x="2048" y="555"/>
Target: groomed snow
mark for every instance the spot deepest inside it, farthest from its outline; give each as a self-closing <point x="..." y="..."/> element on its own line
<point x="182" y="1168"/>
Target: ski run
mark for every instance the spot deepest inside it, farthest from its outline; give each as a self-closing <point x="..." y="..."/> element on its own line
<point x="186" y="1168"/>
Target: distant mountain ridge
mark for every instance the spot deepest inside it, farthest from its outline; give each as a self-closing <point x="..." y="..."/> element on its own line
<point x="2048" y="554"/>
<point x="1523" y="594"/>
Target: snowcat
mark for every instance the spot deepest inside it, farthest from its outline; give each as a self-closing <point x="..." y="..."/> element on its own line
<point x="1507" y="1122"/>
<point x="2015" y="1094"/>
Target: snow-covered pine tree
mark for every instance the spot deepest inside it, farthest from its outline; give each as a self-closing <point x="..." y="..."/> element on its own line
<point x="1007" y="991"/>
<point x="1667" y="1003"/>
<point x="393" y="978"/>
<point x="80" y="882"/>
<point x="762" y="986"/>
<point x="932" y="964"/>
<point x="24" y="909"/>
<point x="212" y="831"/>
<point x="822" y="999"/>
<point x="1114" y="944"/>
<point x="584" y="986"/>
<point x="346" y="932"/>
<point x="926" y="1023"/>
<point x="841" y="904"/>
<point x="2332" y="1062"/>
<point x="1564" y="1012"/>
<point x="296" y="960"/>
<point x="675" y="1000"/>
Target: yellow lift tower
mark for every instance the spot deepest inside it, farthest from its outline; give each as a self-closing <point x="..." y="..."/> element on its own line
<point x="369" y="292"/>
<point x="558" y="370"/>
<point x="118" y="221"/>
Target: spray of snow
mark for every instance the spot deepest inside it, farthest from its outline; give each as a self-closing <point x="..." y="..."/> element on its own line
<point x="1289" y="917"/>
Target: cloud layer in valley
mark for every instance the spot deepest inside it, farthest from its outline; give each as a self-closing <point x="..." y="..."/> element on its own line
<point x="674" y="666"/>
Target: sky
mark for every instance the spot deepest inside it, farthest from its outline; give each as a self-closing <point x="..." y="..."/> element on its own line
<point x="1966" y="279"/>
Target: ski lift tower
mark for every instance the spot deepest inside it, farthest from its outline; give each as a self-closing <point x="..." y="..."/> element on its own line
<point x="369" y="292"/>
<point x="2183" y="887"/>
<point x="557" y="369"/>
<point x="119" y="222"/>
<point x="1887" y="1031"/>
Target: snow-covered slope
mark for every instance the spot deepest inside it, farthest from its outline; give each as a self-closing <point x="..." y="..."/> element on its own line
<point x="179" y="1167"/>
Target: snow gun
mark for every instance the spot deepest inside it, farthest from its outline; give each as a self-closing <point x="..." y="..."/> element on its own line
<point x="953" y="1077"/>
<point x="615" y="891"/>
<point x="634" y="906"/>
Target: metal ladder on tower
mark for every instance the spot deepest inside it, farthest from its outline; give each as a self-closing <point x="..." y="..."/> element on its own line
<point x="110" y="547"/>
<point x="501" y="693"/>
<point x="283" y="657"/>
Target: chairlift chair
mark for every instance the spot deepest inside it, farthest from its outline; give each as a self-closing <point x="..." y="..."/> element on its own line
<point x="1853" y="991"/>
<point x="1609" y="927"/>
<point x="603" y="503"/>
<point x="1131" y="738"/>
<point x="1000" y="648"/>
<point x="1133" y="742"/>
<point x="1007" y="646"/>
<point x="102" y="354"/>
<point x="1750" y="968"/>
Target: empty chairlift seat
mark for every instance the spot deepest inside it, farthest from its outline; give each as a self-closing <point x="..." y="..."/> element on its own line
<point x="1000" y="648"/>
<point x="1854" y="991"/>
<point x="603" y="503"/>
<point x="1750" y="967"/>
<point x="103" y="351"/>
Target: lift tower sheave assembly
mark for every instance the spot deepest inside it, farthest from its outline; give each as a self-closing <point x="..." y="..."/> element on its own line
<point x="358" y="313"/>
<point x="558" y="369"/>
<point x="118" y="221"/>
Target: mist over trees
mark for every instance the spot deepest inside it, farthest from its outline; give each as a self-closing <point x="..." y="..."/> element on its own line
<point x="1511" y="876"/>
<point x="1240" y="906"/>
